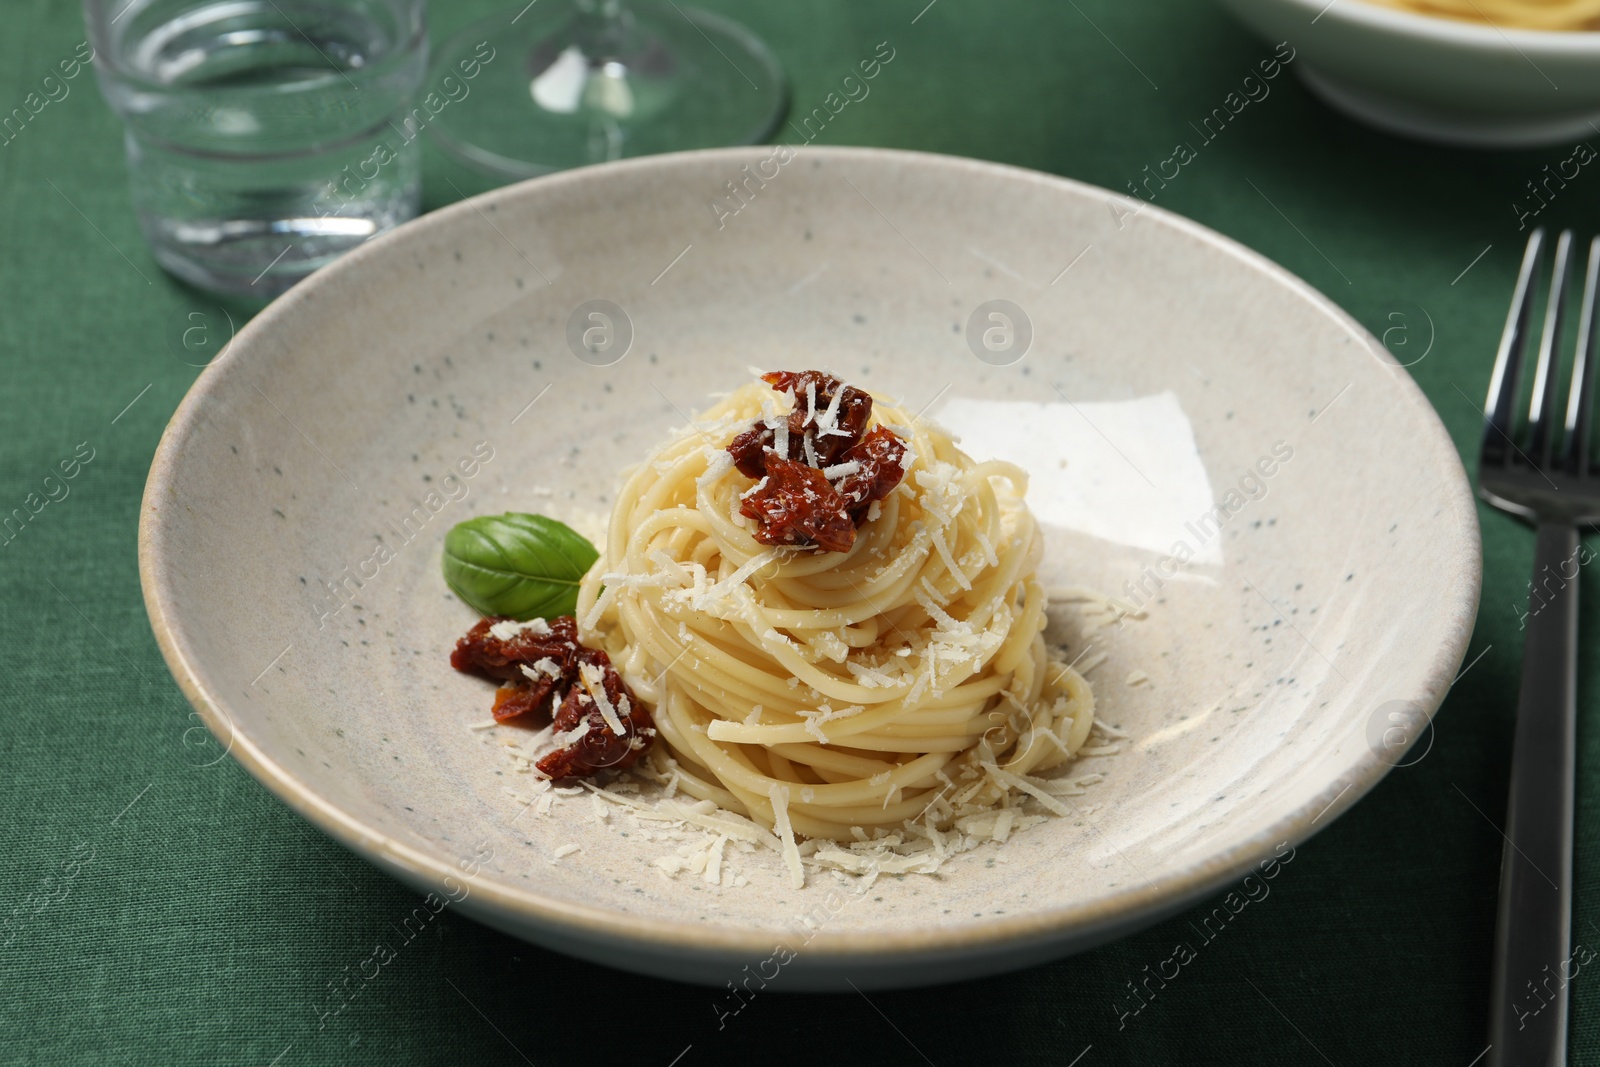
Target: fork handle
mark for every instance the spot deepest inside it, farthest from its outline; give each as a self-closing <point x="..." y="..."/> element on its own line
<point x="1532" y="966"/>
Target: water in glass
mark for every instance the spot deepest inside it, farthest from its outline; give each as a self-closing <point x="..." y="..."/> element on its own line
<point x="264" y="137"/>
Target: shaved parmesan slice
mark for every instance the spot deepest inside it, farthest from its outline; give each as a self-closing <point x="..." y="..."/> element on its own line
<point x="1012" y="781"/>
<point x="1002" y="824"/>
<point x="506" y="629"/>
<point x="779" y="795"/>
<point x="1114" y="606"/>
<point x="568" y="737"/>
<point x="601" y="603"/>
<point x="544" y="668"/>
<point x="671" y="566"/>
<point x="882" y="862"/>
<point x="943" y="548"/>
<point x="594" y="682"/>
<point x="780" y="435"/>
<point x="829" y="421"/>
<point x="734" y="580"/>
<point x="713" y="873"/>
<point x="988" y="549"/>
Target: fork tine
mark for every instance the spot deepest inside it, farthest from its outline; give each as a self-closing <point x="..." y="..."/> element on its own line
<point x="1543" y="400"/>
<point x="1580" y="395"/>
<point x="1508" y="361"/>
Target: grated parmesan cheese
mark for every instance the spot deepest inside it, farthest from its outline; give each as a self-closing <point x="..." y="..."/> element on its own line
<point x="779" y="795"/>
<point x="828" y="423"/>
<point x="594" y="682"/>
<point x="721" y="590"/>
<point x="1006" y="779"/>
<point x="780" y="434"/>
<point x="546" y="667"/>
<point x="943" y="548"/>
<point x="506" y="629"/>
<point x="1002" y="824"/>
<point x="568" y="737"/>
<point x="716" y="466"/>
<point x="988" y="549"/>
<point x="713" y="873"/>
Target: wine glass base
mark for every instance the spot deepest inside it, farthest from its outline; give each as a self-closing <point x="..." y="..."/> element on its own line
<point x="524" y="93"/>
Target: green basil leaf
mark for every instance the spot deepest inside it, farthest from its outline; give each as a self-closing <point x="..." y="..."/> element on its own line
<point x="523" y="566"/>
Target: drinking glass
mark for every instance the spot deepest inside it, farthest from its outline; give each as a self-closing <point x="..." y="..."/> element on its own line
<point x="569" y="82"/>
<point x="264" y="137"/>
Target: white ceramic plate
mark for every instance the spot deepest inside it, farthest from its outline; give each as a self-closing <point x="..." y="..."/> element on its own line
<point x="1438" y="79"/>
<point x="1168" y="369"/>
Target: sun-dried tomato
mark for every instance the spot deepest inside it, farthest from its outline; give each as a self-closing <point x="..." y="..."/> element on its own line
<point x="480" y="652"/>
<point x="800" y="507"/>
<point x="749" y="450"/>
<point x="555" y="660"/>
<point x="827" y="445"/>
<point x="796" y="506"/>
<point x="515" y="701"/>
<point x="881" y="457"/>
<point x="850" y="421"/>
<point x="598" y="749"/>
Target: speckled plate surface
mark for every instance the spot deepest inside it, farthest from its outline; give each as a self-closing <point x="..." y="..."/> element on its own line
<point x="1206" y="435"/>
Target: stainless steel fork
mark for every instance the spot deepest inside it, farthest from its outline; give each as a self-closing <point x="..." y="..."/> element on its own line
<point x="1545" y="476"/>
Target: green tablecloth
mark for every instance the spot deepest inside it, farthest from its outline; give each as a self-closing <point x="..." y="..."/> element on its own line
<point x="162" y="913"/>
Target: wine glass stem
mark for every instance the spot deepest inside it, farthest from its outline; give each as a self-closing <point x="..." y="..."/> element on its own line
<point x="601" y="26"/>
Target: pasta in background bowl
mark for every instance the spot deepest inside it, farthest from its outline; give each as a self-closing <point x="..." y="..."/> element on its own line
<point x="1507" y="74"/>
<point x="1203" y="438"/>
<point x="1560" y="15"/>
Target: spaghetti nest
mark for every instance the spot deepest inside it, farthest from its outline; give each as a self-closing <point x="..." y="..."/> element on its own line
<point x="830" y="694"/>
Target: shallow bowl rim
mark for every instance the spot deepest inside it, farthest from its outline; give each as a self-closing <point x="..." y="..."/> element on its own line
<point x="1438" y="29"/>
<point x="1124" y="908"/>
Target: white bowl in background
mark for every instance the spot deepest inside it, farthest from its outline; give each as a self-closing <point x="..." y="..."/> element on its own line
<point x="1438" y="79"/>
